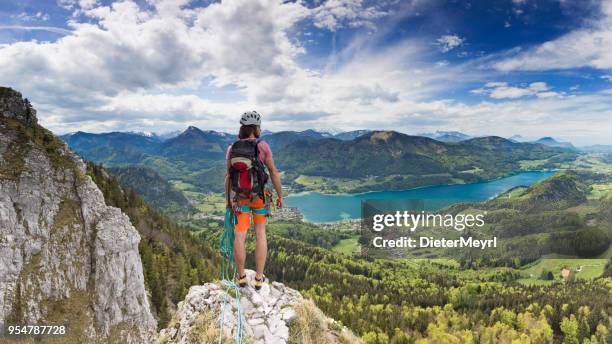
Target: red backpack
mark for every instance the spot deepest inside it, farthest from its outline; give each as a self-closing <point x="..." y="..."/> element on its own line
<point x="248" y="175"/>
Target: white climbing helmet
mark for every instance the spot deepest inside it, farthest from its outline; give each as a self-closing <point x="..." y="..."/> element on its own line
<point x="250" y="118"/>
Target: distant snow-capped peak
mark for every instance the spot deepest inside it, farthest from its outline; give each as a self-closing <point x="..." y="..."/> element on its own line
<point x="143" y="133"/>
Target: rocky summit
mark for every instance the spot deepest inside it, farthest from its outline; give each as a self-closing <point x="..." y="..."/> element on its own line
<point x="65" y="256"/>
<point x="13" y="105"/>
<point x="266" y="313"/>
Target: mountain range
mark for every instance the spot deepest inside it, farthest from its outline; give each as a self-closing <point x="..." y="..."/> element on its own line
<point x="549" y="141"/>
<point x="388" y="153"/>
<point x="197" y="157"/>
<point x="446" y="136"/>
<point x="209" y="143"/>
<point x="546" y="140"/>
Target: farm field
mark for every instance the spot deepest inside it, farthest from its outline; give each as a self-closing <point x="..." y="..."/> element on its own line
<point x="580" y="268"/>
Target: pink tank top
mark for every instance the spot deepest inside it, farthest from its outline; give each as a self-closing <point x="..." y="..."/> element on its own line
<point x="263" y="148"/>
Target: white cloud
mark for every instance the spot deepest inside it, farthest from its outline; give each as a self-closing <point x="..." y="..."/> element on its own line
<point x="607" y="77"/>
<point x="88" y="4"/>
<point x="67" y="4"/>
<point x="36" y="28"/>
<point x="493" y="84"/>
<point x="449" y="42"/>
<point x="27" y="17"/>
<point x="538" y="86"/>
<point x="585" y="47"/>
<point x="502" y="90"/>
<point x="548" y="94"/>
<point x="509" y="92"/>
<point x="335" y="14"/>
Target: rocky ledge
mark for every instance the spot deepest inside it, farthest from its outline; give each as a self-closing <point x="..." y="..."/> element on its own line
<point x="266" y="313"/>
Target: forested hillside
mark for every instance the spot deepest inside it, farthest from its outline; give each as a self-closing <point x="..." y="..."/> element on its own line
<point x="111" y="148"/>
<point x="383" y="153"/>
<point x="154" y="189"/>
<point x="562" y="215"/>
<point x="422" y="301"/>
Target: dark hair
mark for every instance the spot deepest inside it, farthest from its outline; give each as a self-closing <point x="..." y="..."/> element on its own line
<point x="247" y="130"/>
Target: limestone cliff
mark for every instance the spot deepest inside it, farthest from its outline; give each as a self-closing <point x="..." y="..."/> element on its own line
<point x="65" y="256"/>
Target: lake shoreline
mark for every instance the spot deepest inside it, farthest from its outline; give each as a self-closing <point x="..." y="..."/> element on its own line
<point x="418" y="187"/>
<point x="321" y="208"/>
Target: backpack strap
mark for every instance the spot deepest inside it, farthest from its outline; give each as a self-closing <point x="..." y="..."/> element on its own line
<point x="257" y="141"/>
<point x="228" y="188"/>
<point x="262" y="192"/>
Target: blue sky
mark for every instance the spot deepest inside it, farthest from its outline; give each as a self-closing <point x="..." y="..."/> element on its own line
<point x="529" y="67"/>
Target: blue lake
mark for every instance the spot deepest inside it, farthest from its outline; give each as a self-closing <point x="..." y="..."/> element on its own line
<point x="317" y="207"/>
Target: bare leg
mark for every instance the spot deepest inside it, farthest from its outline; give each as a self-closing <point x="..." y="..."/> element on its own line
<point x="240" y="251"/>
<point x="261" y="249"/>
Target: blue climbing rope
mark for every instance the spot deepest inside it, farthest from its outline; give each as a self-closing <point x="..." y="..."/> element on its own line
<point x="228" y="272"/>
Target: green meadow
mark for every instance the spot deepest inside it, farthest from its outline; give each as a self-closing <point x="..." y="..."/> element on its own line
<point x="348" y="246"/>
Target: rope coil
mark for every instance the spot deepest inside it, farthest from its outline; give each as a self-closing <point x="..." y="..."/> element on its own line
<point x="228" y="272"/>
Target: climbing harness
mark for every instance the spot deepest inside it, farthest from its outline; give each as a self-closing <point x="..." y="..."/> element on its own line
<point x="228" y="271"/>
<point x="270" y="206"/>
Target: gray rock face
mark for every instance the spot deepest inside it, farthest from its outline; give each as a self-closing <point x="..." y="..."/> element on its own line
<point x="12" y="105"/>
<point x="65" y="256"/>
<point x="266" y="313"/>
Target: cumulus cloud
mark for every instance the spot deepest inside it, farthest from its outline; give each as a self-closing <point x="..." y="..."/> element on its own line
<point x="502" y="90"/>
<point x="449" y="42"/>
<point x="124" y="48"/>
<point x="585" y="47"/>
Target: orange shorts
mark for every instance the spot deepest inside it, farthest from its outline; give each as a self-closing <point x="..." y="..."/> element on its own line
<point x="258" y="210"/>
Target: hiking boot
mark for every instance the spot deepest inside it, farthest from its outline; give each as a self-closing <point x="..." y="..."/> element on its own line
<point x="259" y="282"/>
<point x="242" y="281"/>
